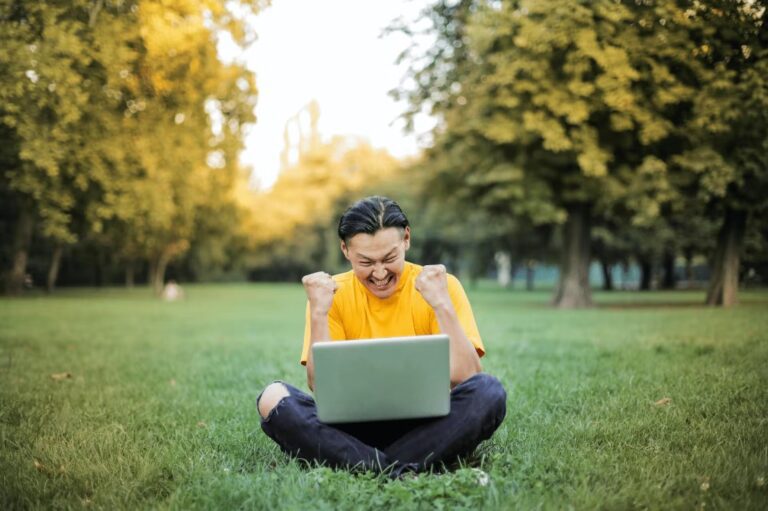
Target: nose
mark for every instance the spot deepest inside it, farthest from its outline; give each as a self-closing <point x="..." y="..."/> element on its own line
<point x="379" y="272"/>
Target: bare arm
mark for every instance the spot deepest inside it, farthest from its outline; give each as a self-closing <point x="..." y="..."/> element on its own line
<point x="432" y="283"/>
<point x="319" y="331"/>
<point x="464" y="359"/>
<point x="320" y="288"/>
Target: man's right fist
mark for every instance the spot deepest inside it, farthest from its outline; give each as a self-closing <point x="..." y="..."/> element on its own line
<point x="320" y="288"/>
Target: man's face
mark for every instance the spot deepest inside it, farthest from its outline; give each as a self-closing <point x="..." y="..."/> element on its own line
<point x="378" y="260"/>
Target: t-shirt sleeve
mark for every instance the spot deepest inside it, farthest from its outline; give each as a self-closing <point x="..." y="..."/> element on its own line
<point x="464" y="313"/>
<point x="334" y="325"/>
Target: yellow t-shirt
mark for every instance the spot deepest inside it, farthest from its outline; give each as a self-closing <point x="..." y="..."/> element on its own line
<point x="357" y="314"/>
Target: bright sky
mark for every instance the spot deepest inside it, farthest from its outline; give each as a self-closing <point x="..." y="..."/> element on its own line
<point x="331" y="51"/>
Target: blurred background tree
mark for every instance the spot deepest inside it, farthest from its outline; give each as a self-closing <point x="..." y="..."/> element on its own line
<point x="728" y="133"/>
<point x="613" y="135"/>
<point x="123" y="126"/>
<point x="575" y="114"/>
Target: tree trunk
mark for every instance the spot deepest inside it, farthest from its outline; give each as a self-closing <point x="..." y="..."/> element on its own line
<point x="152" y="272"/>
<point x="607" y="276"/>
<point x="512" y="273"/>
<point x="130" y="273"/>
<point x="625" y="275"/>
<point x="689" y="268"/>
<point x="669" y="280"/>
<point x="573" y="288"/>
<point x="646" y="274"/>
<point x="53" y="269"/>
<point x="16" y="274"/>
<point x="724" y="281"/>
<point x="530" y="271"/>
<point x="159" y="278"/>
<point x="101" y="268"/>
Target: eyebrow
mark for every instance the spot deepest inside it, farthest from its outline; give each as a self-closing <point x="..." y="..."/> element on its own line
<point x="389" y="254"/>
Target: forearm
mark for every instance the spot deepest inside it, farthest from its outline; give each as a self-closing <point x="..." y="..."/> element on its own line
<point x="465" y="361"/>
<point x="319" y="331"/>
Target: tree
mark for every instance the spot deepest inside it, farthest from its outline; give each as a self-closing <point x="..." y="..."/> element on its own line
<point x="187" y="131"/>
<point x="755" y="262"/>
<point x="728" y="157"/>
<point x="124" y="123"/>
<point x="43" y="59"/>
<point x="554" y="110"/>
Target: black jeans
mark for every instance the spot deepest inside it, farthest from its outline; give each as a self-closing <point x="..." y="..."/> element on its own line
<point x="478" y="406"/>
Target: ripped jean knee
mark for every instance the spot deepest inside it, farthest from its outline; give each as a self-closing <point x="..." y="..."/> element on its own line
<point x="284" y="391"/>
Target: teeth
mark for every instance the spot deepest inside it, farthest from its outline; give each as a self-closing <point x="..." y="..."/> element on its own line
<point x="381" y="284"/>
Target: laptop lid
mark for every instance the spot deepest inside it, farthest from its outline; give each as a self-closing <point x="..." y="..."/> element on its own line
<point x="382" y="379"/>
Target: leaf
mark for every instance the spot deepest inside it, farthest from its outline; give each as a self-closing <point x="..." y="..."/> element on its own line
<point x="201" y="424"/>
<point x="40" y="467"/>
<point x="61" y="376"/>
<point x="663" y="401"/>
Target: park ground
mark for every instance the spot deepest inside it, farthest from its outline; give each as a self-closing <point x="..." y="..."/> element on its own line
<point x="112" y="399"/>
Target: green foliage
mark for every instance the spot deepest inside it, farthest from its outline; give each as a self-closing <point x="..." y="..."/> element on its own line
<point x="729" y="129"/>
<point x="559" y="102"/>
<point x="638" y="109"/>
<point x="127" y="124"/>
<point x="43" y="97"/>
<point x="160" y="413"/>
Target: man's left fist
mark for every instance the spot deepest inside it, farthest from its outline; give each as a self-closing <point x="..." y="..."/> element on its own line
<point x="432" y="283"/>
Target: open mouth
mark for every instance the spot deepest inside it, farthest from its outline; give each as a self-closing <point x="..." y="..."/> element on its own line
<point x="380" y="285"/>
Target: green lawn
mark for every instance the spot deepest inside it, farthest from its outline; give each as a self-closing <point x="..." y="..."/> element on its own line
<point x="159" y="409"/>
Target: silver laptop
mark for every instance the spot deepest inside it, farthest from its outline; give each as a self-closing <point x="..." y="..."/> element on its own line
<point x="382" y="379"/>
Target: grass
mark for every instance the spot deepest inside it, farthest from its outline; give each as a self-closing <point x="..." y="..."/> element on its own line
<point x="159" y="409"/>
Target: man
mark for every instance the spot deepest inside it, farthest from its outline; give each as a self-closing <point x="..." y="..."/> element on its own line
<point x="386" y="296"/>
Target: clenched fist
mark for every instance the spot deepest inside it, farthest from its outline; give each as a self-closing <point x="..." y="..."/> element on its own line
<point x="320" y="288"/>
<point x="432" y="283"/>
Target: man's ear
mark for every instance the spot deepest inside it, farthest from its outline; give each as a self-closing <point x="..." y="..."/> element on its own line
<point x="407" y="237"/>
<point x="345" y="250"/>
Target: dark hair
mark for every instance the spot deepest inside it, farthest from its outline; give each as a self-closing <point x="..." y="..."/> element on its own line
<point x="369" y="215"/>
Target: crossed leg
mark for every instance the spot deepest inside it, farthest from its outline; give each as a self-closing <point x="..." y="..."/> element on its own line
<point x="272" y="395"/>
<point x="478" y="406"/>
<point x="289" y="417"/>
